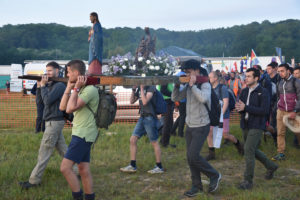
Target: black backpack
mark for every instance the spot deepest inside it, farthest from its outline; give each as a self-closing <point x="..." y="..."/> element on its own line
<point x="107" y="109"/>
<point x="231" y="104"/>
<point x="215" y="111"/>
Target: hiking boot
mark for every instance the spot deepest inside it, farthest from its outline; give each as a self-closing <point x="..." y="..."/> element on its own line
<point x="194" y="191"/>
<point x="240" y="147"/>
<point x="211" y="155"/>
<point x="26" y="185"/>
<point x="226" y="142"/>
<point x="128" y="169"/>
<point x="245" y="185"/>
<point x="278" y="157"/>
<point x="214" y="183"/>
<point x="156" y="170"/>
<point x="270" y="173"/>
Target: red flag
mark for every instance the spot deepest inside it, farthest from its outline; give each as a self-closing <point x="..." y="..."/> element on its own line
<point x="252" y="54"/>
<point x="226" y="68"/>
<point x="235" y="66"/>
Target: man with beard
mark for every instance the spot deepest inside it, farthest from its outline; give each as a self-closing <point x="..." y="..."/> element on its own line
<point x="254" y="105"/>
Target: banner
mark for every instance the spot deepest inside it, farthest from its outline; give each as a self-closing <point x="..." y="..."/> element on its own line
<point x="15" y="83"/>
<point x="278" y="51"/>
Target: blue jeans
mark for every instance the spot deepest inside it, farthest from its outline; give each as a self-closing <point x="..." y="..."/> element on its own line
<point x="147" y="125"/>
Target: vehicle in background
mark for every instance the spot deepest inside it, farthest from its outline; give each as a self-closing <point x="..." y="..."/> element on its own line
<point x="37" y="69"/>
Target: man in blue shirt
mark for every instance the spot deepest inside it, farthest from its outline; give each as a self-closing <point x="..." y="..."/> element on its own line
<point x="224" y="97"/>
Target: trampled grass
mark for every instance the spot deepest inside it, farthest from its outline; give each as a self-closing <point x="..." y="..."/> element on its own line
<point x="19" y="150"/>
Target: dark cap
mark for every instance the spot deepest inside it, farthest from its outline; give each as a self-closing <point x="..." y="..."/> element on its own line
<point x="190" y="64"/>
<point x="193" y="64"/>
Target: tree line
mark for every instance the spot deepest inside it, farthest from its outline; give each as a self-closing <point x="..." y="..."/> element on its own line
<point x="59" y="42"/>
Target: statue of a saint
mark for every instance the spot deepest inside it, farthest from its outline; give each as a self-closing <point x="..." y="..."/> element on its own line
<point x="96" y="46"/>
<point x="146" y="45"/>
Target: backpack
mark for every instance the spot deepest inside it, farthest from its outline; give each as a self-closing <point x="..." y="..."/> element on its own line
<point x="215" y="111"/>
<point x="158" y="102"/>
<point x="107" y="109"/>
<point x="231" y="100"/>
<point x="231" y="104"/>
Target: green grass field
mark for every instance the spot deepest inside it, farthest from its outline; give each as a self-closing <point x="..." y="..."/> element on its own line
<point x="19" y="150"/>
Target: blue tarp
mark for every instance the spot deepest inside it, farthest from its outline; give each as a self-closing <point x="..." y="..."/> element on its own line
<point x="3" y="80"/>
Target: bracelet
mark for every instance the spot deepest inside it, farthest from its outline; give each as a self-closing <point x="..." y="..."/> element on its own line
<point x="76" y="89"/>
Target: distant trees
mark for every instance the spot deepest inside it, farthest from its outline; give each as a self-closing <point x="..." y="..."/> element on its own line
<point x="54" y="41"/>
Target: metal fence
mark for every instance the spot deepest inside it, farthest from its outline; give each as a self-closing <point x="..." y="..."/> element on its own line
<point x="19" y="111"/>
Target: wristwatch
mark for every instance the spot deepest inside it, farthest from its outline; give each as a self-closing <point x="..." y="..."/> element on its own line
<point x="76" y="89"/>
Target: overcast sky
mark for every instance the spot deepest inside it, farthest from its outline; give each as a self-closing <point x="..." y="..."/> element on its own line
<point x="176" y="15"/>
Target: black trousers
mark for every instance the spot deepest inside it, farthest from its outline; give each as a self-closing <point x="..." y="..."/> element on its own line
<point x="167" y="124"/>
<point x="40" y="123"/>
<point x="195" y="138"/>
<point x="180" y="121"/>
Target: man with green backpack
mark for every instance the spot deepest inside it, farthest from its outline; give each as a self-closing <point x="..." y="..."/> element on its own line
<point x="84" y="130"/>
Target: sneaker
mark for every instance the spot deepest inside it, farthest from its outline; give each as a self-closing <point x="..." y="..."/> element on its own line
<point x="156" y="170"/>
<point x="245" y="185"/>
<point x="128" y="169"/>
<point x="226" y="142"/>
<point x="270" y="173"/>
<point x="214" y="183"/>
<point x="268" y="133"/>
<point x="278" y="157"/>
<point x="26" y="185"/>
<point x="211" y="156"/>
<point x="194" y="191"/>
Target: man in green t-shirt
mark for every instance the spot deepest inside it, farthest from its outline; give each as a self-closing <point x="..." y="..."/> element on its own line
<point x="84" y="131"/>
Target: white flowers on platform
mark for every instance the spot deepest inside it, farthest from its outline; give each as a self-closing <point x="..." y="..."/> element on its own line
<point x="162" y="65"/>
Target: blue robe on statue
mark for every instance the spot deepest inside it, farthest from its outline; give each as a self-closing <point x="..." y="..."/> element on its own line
<point x="96" y="44"/>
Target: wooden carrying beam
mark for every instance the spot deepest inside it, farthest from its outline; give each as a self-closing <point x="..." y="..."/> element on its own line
<point x="125" y="80"/>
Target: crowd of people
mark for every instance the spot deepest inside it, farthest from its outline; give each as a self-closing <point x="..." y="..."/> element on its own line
<point x="262" y="98"/>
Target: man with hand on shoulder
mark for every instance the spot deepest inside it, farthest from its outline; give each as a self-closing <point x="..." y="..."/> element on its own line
<point x="198" y="125"/>
<point x="84" y="131"/>
<point x="50" y="93"/>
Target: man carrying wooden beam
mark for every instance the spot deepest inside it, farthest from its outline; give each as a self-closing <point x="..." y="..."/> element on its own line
<point x="198" y="125"/>
<point x="147" y="124"/>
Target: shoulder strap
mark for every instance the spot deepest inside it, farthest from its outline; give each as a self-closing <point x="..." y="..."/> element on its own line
<point x="95" y="117"/>
<point x="294" y="85"/>
<point x="87" y="105"/>
<point x="220" y="91"/>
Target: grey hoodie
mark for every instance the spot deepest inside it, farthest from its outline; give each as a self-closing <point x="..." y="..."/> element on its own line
<point x="196" y="112"/>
